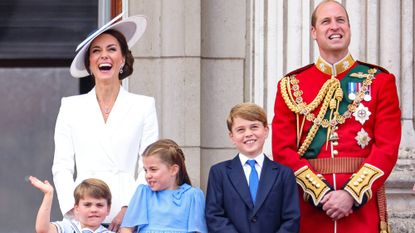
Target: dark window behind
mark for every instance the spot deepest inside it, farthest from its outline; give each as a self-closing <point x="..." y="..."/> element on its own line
<point x="44" y="29"/>
<point x="37" y="44"/>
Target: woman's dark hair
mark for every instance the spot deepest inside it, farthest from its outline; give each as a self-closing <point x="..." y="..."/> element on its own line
<point x="129" y="59"/>
<point x="170" y="153"/>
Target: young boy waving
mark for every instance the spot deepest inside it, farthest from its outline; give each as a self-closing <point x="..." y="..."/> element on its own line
<point x="92" y="205"/>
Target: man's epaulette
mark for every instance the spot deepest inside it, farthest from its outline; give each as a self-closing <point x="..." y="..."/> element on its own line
<point x="374" y="66"/>
<point x="297" y="71"/>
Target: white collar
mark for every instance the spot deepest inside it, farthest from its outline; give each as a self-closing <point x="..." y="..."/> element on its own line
<point x="259" y="159"/>
<point x="98" y="230"/>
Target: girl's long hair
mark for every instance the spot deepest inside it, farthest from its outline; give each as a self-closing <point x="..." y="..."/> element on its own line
<point x="170" y="153"/>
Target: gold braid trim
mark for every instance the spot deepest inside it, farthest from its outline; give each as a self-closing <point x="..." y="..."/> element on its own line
<point x="312" y="133"/>
<point x="332" y="95"/>
<point x="311" y="183"/>
<point x="336" y="165"/>
<point x="383" y="210"/>
<point x="297" y="105"/>
<point x="361" y="183"/>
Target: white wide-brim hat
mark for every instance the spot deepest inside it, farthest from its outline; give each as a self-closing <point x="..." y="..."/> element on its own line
<point x="132" y="28"/>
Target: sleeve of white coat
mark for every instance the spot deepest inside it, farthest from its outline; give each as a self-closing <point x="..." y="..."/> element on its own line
<point x="150" y="135"/>
<point x="64" y="160"/>
<point x="150" y="129"/>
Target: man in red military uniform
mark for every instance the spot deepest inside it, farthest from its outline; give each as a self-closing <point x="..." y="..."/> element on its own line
<point x="337" y="125"/>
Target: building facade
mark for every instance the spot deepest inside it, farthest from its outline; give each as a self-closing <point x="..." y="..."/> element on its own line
<point x="199" y="58"/>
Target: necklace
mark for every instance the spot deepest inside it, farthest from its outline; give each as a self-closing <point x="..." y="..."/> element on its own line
<point x="106" y="109"/>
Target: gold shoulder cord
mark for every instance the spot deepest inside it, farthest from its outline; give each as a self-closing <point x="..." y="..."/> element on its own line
<point x="329" y="96"/>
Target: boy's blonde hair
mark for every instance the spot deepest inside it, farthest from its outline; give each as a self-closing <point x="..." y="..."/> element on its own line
<point x="247" y="111"/>
<point x="94" y="188"/>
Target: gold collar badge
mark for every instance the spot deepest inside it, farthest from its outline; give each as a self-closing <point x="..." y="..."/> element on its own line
<point x="337" y="68"/>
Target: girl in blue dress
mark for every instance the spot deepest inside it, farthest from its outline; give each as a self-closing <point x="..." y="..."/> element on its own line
<point x="168" y="203"/>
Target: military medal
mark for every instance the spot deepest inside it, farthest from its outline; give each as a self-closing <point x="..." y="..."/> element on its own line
<point x="352" y="89"/>
<point x="368" y="94"/>
<point x="362" y="138"/>
<point x="362" y="114"/>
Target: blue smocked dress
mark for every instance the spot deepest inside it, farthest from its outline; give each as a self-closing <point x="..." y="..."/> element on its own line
<point x="167" y="211"/>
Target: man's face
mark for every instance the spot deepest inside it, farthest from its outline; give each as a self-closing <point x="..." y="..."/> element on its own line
<point x="332" y="30"/>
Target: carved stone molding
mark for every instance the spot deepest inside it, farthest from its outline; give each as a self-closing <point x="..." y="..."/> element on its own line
<point x="401" y="197"/>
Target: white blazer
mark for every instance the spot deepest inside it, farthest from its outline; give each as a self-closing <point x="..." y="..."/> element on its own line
<point x="109" y="151"/>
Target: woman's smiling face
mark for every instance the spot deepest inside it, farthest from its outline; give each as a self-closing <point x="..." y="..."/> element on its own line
<point x="105" y="57"/>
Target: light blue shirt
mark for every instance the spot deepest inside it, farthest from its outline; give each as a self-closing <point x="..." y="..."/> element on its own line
<point x="73" y="226"/>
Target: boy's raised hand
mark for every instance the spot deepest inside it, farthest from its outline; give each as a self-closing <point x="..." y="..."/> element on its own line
<point x="45" y="186"/>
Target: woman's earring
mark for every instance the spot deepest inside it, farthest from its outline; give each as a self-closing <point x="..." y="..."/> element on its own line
<point x="122" y="69"/>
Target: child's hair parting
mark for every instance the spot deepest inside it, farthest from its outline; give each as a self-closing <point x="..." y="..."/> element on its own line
<point x="247" y="111"/>
<point x="94" y="188"/>
<point x="170" y="153"/>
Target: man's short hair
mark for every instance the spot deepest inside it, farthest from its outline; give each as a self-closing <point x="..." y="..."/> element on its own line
<point x="314" y="17"/>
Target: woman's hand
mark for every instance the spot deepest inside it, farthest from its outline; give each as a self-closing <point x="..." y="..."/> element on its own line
<point x="117" y="220"/>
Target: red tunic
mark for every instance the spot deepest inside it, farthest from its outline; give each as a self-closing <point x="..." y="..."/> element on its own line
<point x="383" y="127"/>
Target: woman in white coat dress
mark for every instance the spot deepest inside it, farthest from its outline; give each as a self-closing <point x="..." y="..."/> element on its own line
<point x="101" y="134"/>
